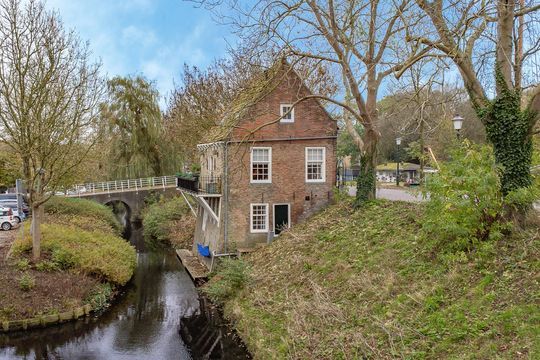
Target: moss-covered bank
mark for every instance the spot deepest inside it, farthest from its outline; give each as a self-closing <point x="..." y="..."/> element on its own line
<point x="84" y="261"/>
<point x="365" y="284"/>
<point x="169" y="221"/>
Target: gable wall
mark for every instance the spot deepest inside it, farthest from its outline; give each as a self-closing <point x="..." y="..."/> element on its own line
<point x="310" y="119"/>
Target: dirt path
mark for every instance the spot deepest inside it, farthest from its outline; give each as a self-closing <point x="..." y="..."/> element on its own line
<point x="7" y="237"/>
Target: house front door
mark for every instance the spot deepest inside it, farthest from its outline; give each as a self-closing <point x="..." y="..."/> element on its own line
<point x="281" y="217"/>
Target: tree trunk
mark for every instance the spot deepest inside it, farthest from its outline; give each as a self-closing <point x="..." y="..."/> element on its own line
<point x="508" y="129"/>
<point x="366" y="182"/>
<point x="505" y="31"/>
<point x="36" y="231"/>
<point x="422" y="144"/>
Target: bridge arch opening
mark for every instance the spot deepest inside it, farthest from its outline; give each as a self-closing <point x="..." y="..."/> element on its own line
<point x="122" y="211"/>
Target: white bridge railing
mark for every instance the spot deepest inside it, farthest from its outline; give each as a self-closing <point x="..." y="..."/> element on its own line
<point x="122" y="185"/>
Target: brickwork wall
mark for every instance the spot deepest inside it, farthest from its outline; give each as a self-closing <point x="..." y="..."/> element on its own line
<point x="310" y="118"/>
<point x="288" y="186"/>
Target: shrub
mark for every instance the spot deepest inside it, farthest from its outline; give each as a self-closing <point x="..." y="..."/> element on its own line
<point x="62" y="258"/>
<point x="47" y="266"/>
<point x="99" y="297"/>
<point x="102" y="254"/>
<point x="159" y="220"/>
<point x="82" y="208"/>
<point x="23" y="264"/>
<point x="27" y="282"/>
<point x="83" y="222"/>
<point x="233" y="276"/>
<point x="465" y="202"/>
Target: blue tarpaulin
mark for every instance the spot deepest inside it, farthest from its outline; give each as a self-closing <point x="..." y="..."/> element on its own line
<point x="203" y="250"/>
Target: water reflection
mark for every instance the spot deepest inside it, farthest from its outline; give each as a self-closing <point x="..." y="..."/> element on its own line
<point x="159" y="309"/>
<point x="144" y="324"/>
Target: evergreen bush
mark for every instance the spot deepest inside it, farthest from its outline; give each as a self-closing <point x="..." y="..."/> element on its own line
<point x="465" y="201"/>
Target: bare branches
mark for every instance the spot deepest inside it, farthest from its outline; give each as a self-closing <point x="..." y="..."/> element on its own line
<point x="48" y="94"/>
<point x="526" y="10"/>
<point x="447" y="43"/>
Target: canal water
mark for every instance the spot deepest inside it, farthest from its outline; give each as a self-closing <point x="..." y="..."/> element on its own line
<point x="160" y="316"/>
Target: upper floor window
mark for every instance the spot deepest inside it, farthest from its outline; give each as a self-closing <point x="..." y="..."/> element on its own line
<point x="315" y="164"/>
<point x="211" y="163"/>
<point x="261" y="165"/>
<point x="287" y="113"/>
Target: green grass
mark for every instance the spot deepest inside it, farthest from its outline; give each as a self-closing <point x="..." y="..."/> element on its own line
<point x="367" y="284"/>
<point x="85" y="213"/>
<point x="97" y="253"/>
<point x="169" y="221"/>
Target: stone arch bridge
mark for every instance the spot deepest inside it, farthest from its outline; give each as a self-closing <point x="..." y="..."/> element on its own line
<point x="131" y="193"/>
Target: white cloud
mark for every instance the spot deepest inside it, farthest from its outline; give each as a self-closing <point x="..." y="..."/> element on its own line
<point x="169" y="58"/>
<point x="136" y="35"/>
<point x="129" y="38"/>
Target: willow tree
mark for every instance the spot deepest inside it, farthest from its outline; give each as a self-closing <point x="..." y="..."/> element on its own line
<point x="134" y="127"/>
<point x="49" y="91"/>
<point x="493" y="44"/>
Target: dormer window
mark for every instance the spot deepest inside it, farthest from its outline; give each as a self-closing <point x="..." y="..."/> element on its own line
<point x="287" y="113"/>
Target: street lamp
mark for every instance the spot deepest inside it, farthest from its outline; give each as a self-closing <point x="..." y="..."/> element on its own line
<point x="457" y="121"/>
<point x="398" y="143"/>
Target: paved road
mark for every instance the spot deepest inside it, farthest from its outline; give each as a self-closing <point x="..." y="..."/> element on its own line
<point x="405" y="195"/>
<point x="393" y="194"/>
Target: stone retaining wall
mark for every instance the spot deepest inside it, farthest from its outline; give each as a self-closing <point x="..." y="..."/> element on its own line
<point x="46" y="320"/>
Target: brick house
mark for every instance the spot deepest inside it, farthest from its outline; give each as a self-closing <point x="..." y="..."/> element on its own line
<point x="267" y="166"/>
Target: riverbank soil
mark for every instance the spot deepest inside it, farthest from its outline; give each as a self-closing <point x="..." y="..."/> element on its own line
<point x="169" y="221"/>
<point x="47" y="292"/>
<point x="366" y="284"/>
<point x="83" y="261"/>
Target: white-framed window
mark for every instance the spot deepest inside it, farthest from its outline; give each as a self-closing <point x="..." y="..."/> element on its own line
<point x="258" y="218"/>
<point x="315" y="164"/>
<point x="261" y="165"/>
<point x="211" y="163"/>
<point x="286" y="113"/>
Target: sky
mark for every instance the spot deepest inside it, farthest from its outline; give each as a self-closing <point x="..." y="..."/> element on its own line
<point x="150" y="37"/>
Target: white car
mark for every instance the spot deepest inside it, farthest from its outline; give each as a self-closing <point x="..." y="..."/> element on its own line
<point x="18" y="217"/>
<point x="7" y="220"/>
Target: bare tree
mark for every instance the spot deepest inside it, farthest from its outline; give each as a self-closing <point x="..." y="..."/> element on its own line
<point x="493" y="44"/>
<point x="48" y="99"/>
<point x="196" y="106"/>
<point x="356" y="39"/>
<point x="419" y="108"/>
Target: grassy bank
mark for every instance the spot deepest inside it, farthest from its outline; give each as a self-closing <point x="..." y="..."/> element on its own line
<point x="170" y="222"/>
<point x="83" y="261"/>
<point x="79" y="212"/>
<point x="366" y="284"/>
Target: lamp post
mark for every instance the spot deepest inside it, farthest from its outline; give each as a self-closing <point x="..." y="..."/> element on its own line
<point x="457" y="121"/>
<point x="398" y="143"/>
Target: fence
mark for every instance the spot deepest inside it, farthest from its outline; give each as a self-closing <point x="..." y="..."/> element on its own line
<point x="200" y="184"/>
<point x="123" y="185"/>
